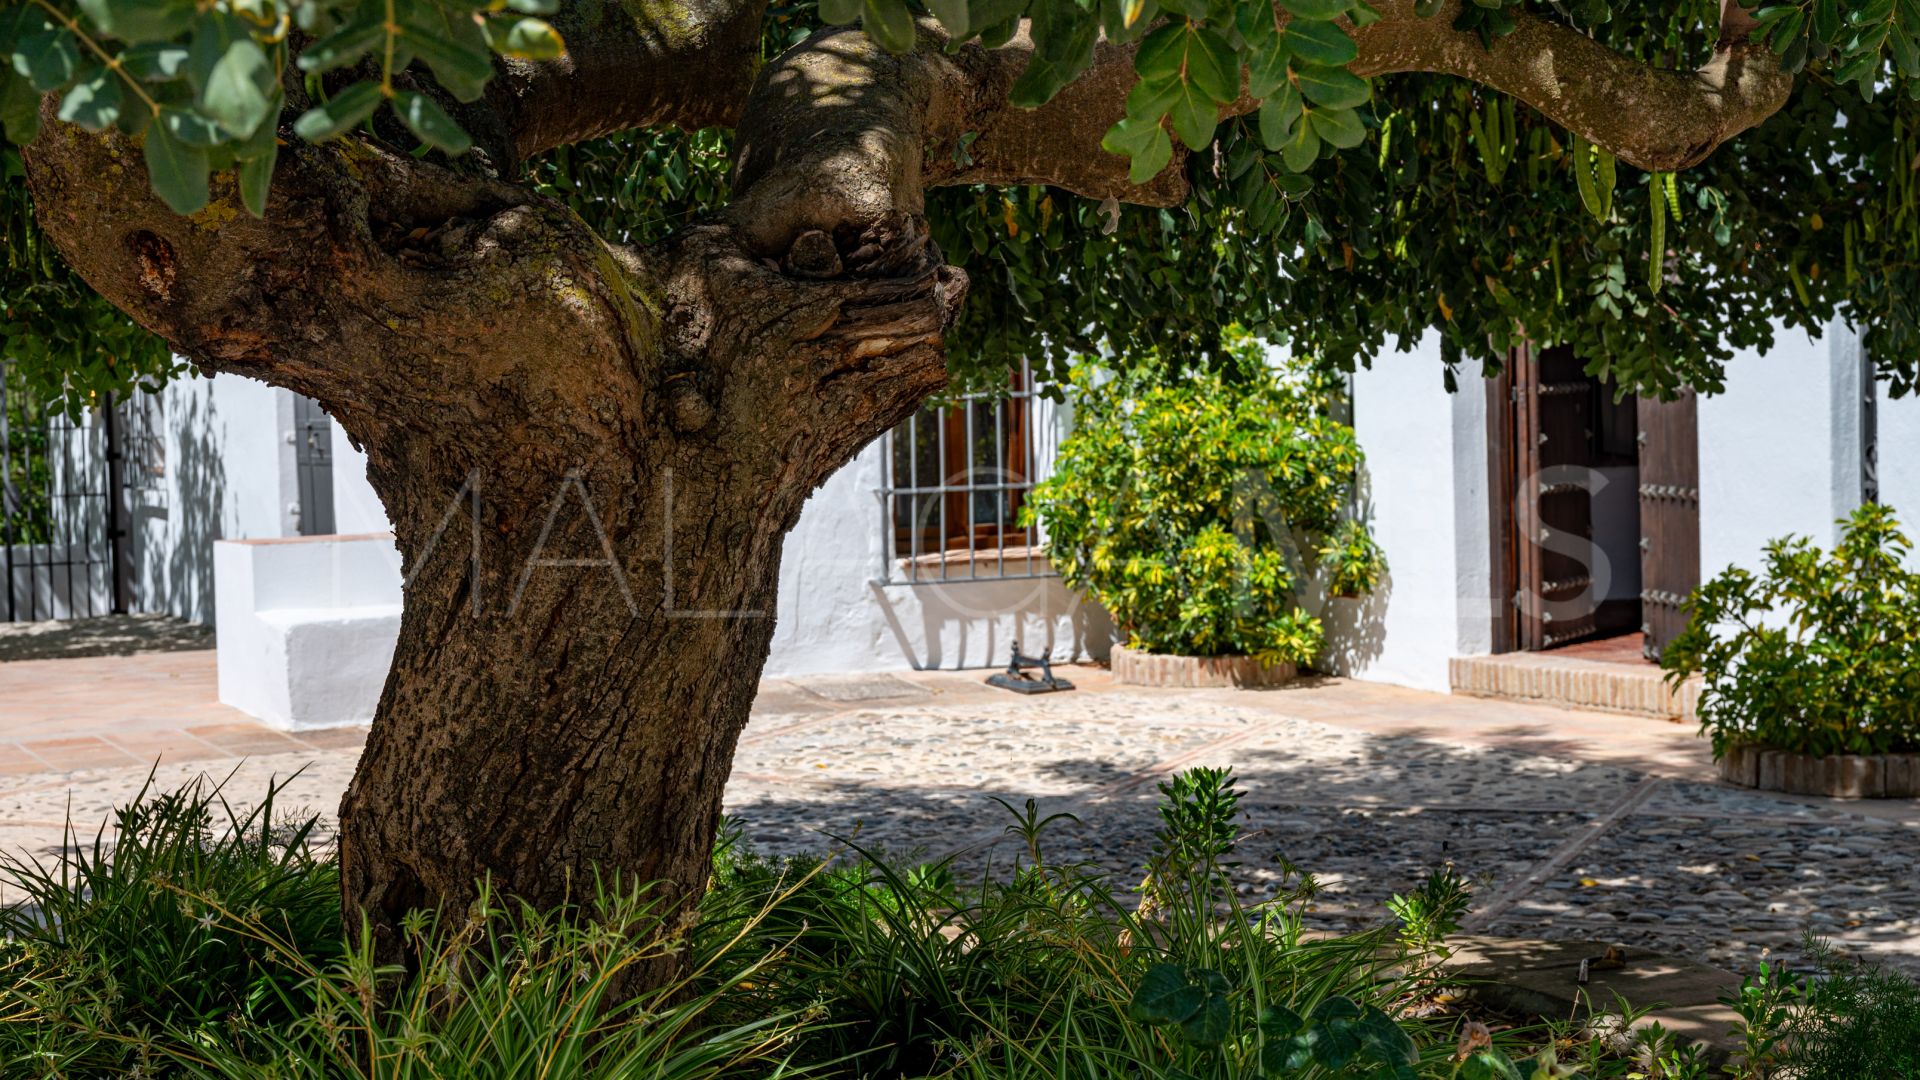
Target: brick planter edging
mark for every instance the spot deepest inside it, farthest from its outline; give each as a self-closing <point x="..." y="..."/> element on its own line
<point x="1839" y="776"/>
<point x="1136" y="668"/>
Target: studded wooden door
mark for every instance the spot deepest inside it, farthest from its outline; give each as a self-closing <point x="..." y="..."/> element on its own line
<point x="1669" y="516"/>
<point x="1553" y="512"/>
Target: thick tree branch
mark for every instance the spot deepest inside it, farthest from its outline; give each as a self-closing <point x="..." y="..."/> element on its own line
<point x="837" y="132"/>
<point x="639" y="63"/>
<point x="400" y="294"/>
<point x="1653" y="119"/>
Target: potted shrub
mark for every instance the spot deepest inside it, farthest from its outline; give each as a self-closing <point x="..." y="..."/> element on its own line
<point x="1811" y="668"/>
<point x="1197" y="506"/>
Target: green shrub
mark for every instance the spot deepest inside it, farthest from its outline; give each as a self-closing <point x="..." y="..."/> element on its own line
<point x="1858" y="1022"/>
<point x="1194" y="507"/>
<point x="126" y="941"/>
<point x="1819" y="653"/>
<point x="849" y="967"/>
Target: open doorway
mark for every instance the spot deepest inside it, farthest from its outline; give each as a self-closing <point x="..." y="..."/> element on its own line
<point x="1595" y="501"/>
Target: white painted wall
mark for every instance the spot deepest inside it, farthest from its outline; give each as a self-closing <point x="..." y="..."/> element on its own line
<point x="1899" y="425"/>
<point x="306" y="627"/>
<point x="1424" y="494"/>
<point x="356" y="509"/>
<point x="1768" y="448"/>
<point x="834" y="615"/>
<point x="220" y="466"/>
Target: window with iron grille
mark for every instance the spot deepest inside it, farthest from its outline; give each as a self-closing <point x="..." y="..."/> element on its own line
<point x="957" y="478"/>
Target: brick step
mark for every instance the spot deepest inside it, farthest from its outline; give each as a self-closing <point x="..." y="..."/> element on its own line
<point x="1570" y="683"/>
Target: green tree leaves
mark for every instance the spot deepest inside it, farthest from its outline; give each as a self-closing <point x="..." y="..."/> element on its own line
<point x="1191" y="66"/>
<point x="202" y="82"/>
<point x="177" y="168"/>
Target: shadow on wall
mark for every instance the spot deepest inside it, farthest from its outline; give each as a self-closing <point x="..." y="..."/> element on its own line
<point x="1356" y="629"/>
<point x="973" y="624"/>
<point x="179" y="560"/>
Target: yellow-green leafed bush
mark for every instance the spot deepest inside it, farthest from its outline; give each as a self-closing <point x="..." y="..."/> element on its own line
<point x="1196" y="509"/>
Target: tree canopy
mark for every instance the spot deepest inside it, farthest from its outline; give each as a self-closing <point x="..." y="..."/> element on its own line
<point x="1337" y="213"/>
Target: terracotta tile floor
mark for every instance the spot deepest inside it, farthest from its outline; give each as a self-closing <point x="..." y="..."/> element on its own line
<point x="107" y="711"/>
<point x="1619" y="649"/>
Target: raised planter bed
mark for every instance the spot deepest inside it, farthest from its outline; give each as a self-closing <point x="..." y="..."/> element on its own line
<point x="1838" y="776"/>
<point x="1136" y="668"/>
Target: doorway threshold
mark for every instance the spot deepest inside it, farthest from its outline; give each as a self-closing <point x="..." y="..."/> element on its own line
<point x="1574" y="682"/>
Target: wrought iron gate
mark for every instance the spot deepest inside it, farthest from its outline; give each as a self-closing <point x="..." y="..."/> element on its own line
<point x="61" y="516"/>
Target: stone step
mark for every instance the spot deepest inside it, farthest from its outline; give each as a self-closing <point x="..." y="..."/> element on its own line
<point x="1572" y="683"/>
<point x="1541" y="978"/>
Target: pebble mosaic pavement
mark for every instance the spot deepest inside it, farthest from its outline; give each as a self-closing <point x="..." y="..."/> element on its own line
<point x="1560" y="845"/>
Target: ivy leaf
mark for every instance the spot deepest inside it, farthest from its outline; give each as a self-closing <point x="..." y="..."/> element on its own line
<point x="1209" y="1024"/>
<point x="841" y="12"/>
<point x="430" y="123"/>
<point x="1166" y="996"/>
<point x="178" y="171"/>
<point x="1321" y="43"/>
<point x="1278" y="114"/>
<point x="525" y="39"/>
<point x="340" y="113"/>
<point x="1144" y="142"/>
<point x="94" y="102"/>
<point x="1332" y="87"/>
<point x="235" y="96"/>
<point x="1386" y="1040"/>
<point x="1317" y="10"/>
<point x="1339" y="127"/>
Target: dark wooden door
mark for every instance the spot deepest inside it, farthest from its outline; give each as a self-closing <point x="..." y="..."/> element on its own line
<point x="1669" y="516"/>
<point x="1553" y="510"/>
<point x="313" y="458"/>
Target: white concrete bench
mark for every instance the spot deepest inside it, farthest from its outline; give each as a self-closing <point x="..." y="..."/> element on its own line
<point x="306" y="626"/>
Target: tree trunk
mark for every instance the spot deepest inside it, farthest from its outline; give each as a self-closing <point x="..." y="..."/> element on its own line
<point x="590" y="588"/>
<point x="563" y="698"/>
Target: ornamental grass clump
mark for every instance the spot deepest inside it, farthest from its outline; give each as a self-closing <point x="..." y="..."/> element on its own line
<point x="1202" y="509"/>
<point x="1817" y="653"/>
<point x="852" y="966"/>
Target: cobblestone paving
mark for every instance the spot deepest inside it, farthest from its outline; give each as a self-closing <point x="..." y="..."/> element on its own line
<point x="1558" y="846"/>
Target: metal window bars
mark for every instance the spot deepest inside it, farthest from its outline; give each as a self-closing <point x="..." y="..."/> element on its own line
<point x="955" y="480"/>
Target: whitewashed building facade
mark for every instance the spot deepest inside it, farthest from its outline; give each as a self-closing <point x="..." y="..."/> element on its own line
<point x="252" y="514"/>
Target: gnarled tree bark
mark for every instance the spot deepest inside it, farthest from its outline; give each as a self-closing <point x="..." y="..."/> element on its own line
<point x="592" y="452"/>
